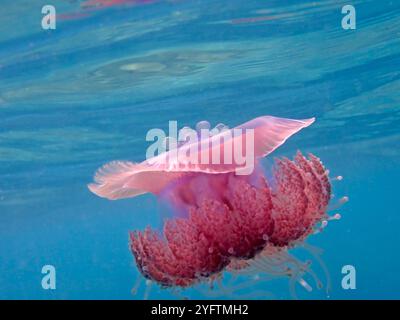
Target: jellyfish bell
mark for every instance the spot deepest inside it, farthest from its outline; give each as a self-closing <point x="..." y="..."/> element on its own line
<point x="122" y="179"/>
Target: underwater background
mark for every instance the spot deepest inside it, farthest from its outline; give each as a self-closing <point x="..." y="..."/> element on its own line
<point x="74" y="98"/>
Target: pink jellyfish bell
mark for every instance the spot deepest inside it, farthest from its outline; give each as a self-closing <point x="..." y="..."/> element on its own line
<point x="233" y="217"/>
<point x="121" y="179"/>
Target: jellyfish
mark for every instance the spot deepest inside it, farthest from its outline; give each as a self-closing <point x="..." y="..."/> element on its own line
<point x="224" y="220"/>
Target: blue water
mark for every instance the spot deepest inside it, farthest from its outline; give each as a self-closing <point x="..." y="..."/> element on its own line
<point x="69" y="103"/>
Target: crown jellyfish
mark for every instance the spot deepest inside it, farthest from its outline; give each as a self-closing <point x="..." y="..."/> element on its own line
<point x="225" y="221"/>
